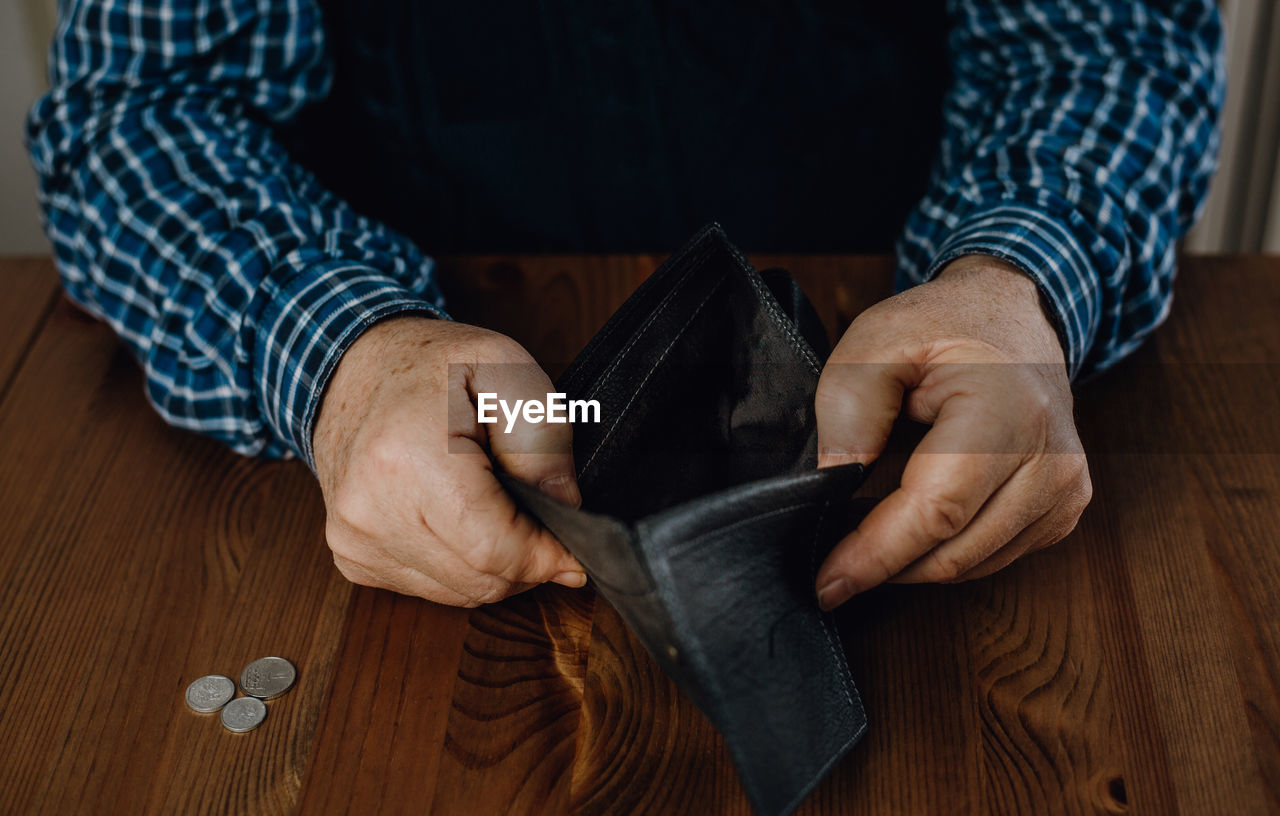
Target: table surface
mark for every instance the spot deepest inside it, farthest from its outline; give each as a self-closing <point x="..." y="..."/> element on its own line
<point x="1135" y="666"/>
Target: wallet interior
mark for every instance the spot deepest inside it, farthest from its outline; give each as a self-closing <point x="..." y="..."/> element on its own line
<point x="705" y="383"/>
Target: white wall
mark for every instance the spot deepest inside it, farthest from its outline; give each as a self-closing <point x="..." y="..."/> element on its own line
<point x="22" y="79"/>
<point x="1243" y="211"/>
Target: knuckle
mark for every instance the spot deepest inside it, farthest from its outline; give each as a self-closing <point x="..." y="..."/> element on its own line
<point x="832" y="393"/>
<point x="942" y="516"/>
<point x="486" y="590"/>
<point x="1077" y="505"/>
<point x="1038" y="418"/>
<point x="482" y="558"/>
<point x="884" y="566"/>
<point x="345" y="568"/>
<point x="555" y="437"/>
<point x="343" y="538"/>
<point x="493" y="347"/>
<point x="943" y="567"/>
<point x="488" y="555"/>
<point x="1076" y="494"/>
<point x="1042" y="402"/>
<point x="1064" y="526"/>
<point x="1067" y="529"/>
<point x="1086" y="489"/>
<point x="493" y="594"/>
<point x="351" y="508"/>
<point x="340" y="543"/>
<point x="352" y="571"/>
<point x="1047" y="542"/>
<point x="385" y="454"/>
<point x="877" y="319"/>
<point x="1060" y="481"/>
<point x="1069" y="475"/>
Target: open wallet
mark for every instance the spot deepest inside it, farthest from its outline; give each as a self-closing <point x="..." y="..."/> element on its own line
<point x="704" y="516"/>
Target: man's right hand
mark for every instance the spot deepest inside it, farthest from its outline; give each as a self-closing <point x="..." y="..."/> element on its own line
<point x="410" y="494"/>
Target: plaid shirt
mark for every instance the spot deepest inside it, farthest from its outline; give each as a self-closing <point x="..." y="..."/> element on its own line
<point x="1079" y="141"/>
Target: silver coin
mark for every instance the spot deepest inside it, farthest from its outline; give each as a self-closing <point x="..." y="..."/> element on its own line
<point x="244" y="714"/>
<point x="267" y="677"/>
<point x="210" y="693"/>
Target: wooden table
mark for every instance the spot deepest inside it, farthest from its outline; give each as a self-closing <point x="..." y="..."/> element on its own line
<point x="1136" y="666"/>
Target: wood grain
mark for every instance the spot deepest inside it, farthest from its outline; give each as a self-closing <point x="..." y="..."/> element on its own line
<point x="30" y="292"/>
<point x="637" y="729"/>
<point x="135" y="558"/>
<point x="387" y="712"/>
<point x="1134" y="668"/>
<point x="516" y="700"/>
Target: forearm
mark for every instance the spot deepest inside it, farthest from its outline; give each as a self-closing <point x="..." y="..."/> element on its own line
<point x="1079" y="152"/>
<point x="177" y="217"/>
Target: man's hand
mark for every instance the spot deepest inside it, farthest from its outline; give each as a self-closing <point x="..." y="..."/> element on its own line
<point x="412" y="502"/>
<point x="1001" y="472"/>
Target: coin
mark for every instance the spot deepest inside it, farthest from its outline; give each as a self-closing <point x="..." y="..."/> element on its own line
<point x="210" y="693"/>
<point x="244" y="714"/>
<point x="267" y="677"/>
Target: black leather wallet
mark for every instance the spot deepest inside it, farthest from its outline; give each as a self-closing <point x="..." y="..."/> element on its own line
<point x="704" y="518"/>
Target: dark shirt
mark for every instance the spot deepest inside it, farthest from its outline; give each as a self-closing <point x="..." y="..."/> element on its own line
<point x="627" y="125"/>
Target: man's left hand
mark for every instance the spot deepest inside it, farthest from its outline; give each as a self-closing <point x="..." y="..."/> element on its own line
<point x="1001" y="472"/>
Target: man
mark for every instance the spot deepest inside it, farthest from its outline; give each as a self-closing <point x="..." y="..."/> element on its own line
<point x="241" y="187"/>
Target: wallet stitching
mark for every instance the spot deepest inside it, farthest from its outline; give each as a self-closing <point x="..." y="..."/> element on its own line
<point x="697" y="247"/>
<point x="696" y="262"/>
<point x="770" y="304"/>
<point x="846" y="679"/>
<point x="797" y="343"/>
<point x="662" y="358"/>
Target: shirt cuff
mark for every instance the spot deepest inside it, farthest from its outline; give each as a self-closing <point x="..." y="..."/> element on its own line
<point x="1048" y="251"/>
<point x="306" y="326"/>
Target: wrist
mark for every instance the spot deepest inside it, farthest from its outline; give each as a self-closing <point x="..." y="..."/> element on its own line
<point x="359" y="378"/>
<point x="303" y="324"/>
<point x="1009" y="303"/>
<point x="1049" y="246"/>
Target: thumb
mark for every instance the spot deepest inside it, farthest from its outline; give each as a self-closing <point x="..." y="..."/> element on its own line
<point x="856" y="405"/>
<point x="528" y="445"/>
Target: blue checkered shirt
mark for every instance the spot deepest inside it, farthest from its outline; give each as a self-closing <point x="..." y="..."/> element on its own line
<point x="1079" y="139"/>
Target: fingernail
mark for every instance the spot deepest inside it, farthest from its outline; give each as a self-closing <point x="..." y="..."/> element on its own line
<point x="834" y="593"/>
<point x="571" y="579"/>
<point x="564" y="487"/>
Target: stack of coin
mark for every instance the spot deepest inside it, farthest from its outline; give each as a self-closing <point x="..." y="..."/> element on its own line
<point x="263" y="679"/>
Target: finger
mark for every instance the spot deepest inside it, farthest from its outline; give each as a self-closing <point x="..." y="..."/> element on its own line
<point x="942" y="490"/>
<point x="1015" y="505"/>
<point x="416" y="564"/>
<point x="1046" y="531"/>
<point x="537" y="452"/>
<point x="856" y="404"/>
<point x="1031" y="538"/>
<point x="426" y="568"/>
<point x="478" y="521"/>
<point x="401" y="579"/>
